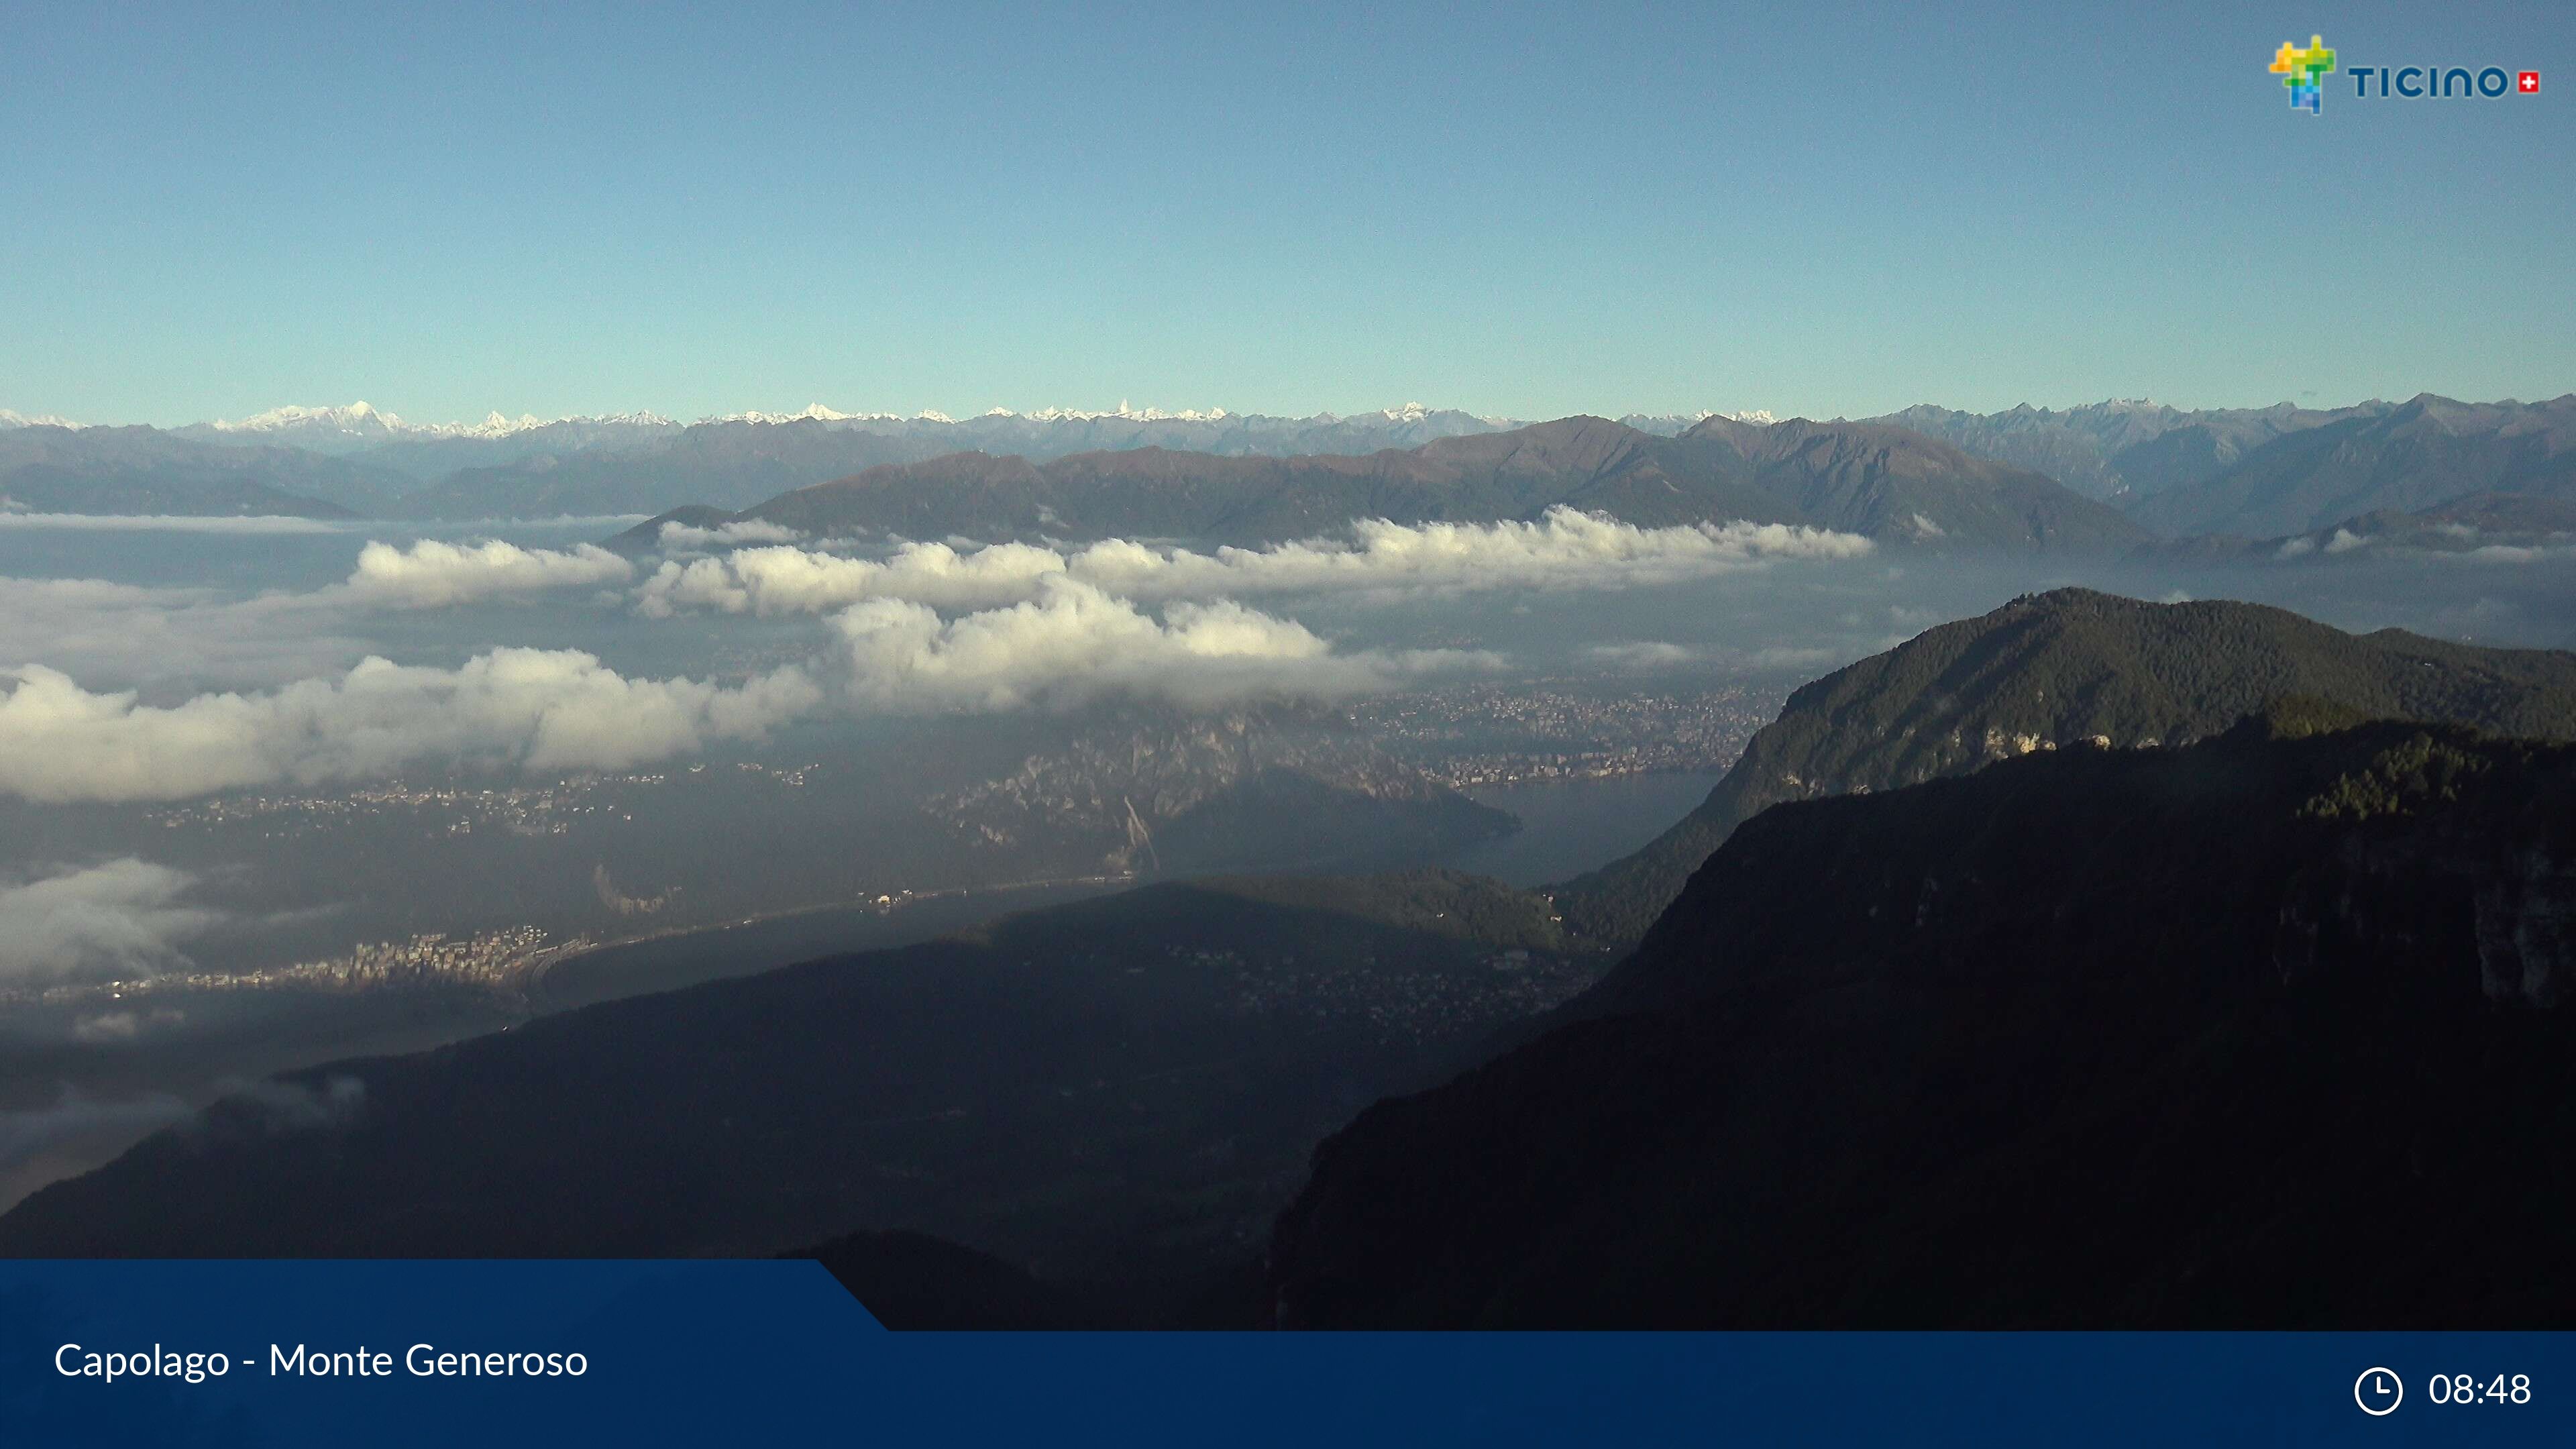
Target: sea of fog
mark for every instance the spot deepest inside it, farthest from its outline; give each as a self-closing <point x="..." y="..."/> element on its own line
<point x="227" y="612"/>
<point x="185" y="625"/>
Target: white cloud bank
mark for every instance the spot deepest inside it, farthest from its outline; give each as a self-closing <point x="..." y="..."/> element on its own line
<point x="928" y="630"/>
<point x="431" y="574"/>
<point x="688" y="538"/>
<point x="115" y="921"/>
<point x="1075" y="642"/>
<point x="543" y="710"/>
<point x="540" y="709"/>
<point x="1566" y="549"/>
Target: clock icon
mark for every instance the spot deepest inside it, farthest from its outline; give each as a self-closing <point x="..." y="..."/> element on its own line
<point x="2378" y="1392"/>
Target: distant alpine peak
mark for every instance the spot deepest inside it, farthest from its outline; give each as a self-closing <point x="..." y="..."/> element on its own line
<point x="812" y="413"/>
<point x="1124" y="412"/>
<point x="10" y="419"/>
<point x="1757" y="417"/>
<point x="357" y="417"/>
<point x="364" y="420"/>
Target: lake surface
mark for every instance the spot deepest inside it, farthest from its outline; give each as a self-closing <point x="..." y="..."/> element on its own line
<point x="1571" y="826"/>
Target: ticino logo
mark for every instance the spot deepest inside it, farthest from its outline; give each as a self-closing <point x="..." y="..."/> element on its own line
<point x="2303" y="70"/>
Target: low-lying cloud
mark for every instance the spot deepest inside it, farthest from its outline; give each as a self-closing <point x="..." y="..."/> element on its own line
<point x="1075" y="642"/>
<point x="118" y="920"/>
<point x="1642" y="656"/>
<point x="677" y="537"/>
<point x="433" y="574"/>
<point x="131" y="634"/>
<point x="535" y="708"/>
<point x="1565" y="550"/>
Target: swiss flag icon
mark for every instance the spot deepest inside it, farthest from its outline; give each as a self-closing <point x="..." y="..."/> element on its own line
<point x="2528" y="83"/>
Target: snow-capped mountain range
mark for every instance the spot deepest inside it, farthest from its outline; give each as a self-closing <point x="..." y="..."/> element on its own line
<point x="364" y="424"/>
<point x="362" y="459"/>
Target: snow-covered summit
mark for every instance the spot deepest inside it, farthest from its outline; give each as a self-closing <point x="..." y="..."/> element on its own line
<point x="1124" y="412"/>
<point x="812" y="412"/>
<point x="363" y="421"/>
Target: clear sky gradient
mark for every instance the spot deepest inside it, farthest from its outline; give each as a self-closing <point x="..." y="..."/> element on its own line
<point x="447" y="209"/>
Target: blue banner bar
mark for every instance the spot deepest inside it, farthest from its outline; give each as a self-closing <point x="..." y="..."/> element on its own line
<point x="558" y="1353"/>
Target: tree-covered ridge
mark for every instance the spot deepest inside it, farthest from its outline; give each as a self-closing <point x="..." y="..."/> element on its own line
<point x="2072" y="667"/>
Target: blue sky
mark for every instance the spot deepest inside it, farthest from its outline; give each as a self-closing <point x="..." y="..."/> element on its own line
<point x="447" y="209"/>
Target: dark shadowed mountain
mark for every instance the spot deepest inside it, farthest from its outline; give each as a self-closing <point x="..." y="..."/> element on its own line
<point x="1118" y="1092"/>
<point x="2122" y="449"/>
<point x="1883" y="482"/>
<point x="141" y="470"/>
<point x="2261" y="1033"/>
<point x="2427" y="451"/>
<point x="2063" y="668"/>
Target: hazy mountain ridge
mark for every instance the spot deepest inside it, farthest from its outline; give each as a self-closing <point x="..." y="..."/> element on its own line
<point x="2421" y="453"/>
<point x="1894" y="483"/>
<point x="2512" y="523"/>
<point x="2244" y="471"/>
<point x="2122" y="448"/>
<point x="2139" y="1038"/>
<point x="1882" y="482"/>
<point x="738" y="461"/>
<point x="2059" y="669"/>
<point x="140" y="470"/>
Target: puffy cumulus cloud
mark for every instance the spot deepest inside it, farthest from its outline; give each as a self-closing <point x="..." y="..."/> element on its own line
<point x="677" y="537"/>
<point x="542" y="709"/>
<point x="433" y="574"/>
<point x="1075" y="642"/>
<point x="1565" y="550"/>
<point x="119" y="920"/>
<point x="798" y="581"/>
